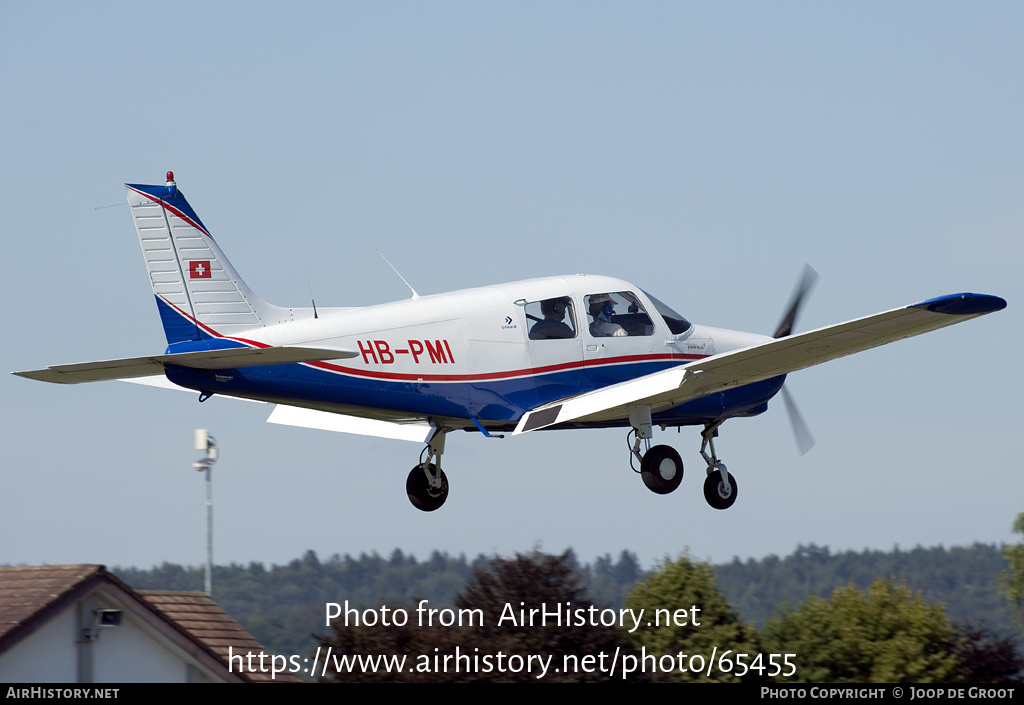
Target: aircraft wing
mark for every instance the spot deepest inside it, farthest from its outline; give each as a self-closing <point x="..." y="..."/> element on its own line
<point x="668" y="388"/>
<point x="225" y="359"/>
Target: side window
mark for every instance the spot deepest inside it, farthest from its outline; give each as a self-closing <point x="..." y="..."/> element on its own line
<point x="551" y="318"/>
<point x="617" y="314"/>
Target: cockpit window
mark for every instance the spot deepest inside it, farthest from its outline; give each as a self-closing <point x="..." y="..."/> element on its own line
<point x="551" y="319"/>
<point x="617" y="314"/>
<point x="676" y="323"/>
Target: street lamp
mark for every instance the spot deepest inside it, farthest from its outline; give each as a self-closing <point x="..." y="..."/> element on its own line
<point x="204" y="441"/>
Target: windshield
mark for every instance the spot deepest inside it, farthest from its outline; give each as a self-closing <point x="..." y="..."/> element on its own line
<point x="676" y="323"/>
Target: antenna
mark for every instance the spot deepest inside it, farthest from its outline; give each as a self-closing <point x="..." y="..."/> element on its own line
<point x="414" y="294"/>
<point x="310" y="287"/>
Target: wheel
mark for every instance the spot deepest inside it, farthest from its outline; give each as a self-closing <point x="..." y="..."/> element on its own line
<point x="662" y="469"/>
<point x="421" y="494"/>
<point x="714" y="491"/>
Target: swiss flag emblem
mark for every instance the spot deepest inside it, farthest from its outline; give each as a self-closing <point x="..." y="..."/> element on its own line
<point x="199" y="269"/>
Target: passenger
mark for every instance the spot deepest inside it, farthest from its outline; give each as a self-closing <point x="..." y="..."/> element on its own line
<point x="552" y="325"/>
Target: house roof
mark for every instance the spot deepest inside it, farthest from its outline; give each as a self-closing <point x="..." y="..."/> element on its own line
<point x="204" y="619"/>
<point x="31" y="595"/>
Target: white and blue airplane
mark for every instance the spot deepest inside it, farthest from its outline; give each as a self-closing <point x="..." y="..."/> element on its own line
<point x="564" y="352"/>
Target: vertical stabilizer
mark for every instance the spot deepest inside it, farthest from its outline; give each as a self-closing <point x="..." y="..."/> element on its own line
<point x="198" y="292"/>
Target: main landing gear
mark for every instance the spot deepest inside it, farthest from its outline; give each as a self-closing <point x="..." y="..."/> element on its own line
<point x="427" y="485"/>
<point x="662" y="469"/>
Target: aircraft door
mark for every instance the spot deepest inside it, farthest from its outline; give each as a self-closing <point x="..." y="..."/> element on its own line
<point x="619" y="332"/>
<point x="555" y="346"/>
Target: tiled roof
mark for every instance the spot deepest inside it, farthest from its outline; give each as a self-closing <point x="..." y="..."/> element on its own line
<point x="30" y="595"/>
<point x="206" y="622"/>
<point x="27" y="591"/>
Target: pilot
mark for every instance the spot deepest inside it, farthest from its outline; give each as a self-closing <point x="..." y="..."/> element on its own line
<point x="601" y="310"/>
<point x="551" y="326"/>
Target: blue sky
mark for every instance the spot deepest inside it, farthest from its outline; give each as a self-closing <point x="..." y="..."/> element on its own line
<point x="702" y="151"/>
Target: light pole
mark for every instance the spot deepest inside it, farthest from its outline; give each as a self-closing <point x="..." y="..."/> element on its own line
<point x="204" y="441"/>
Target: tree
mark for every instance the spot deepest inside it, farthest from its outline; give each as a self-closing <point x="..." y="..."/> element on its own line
<point x="531" y="581"/>
<point x="503" y="591"/>
<point x="686" y="613"/>
<point x="989" y="658"/>
<point x="1013" y="576"/>
<point x="887" y="634"/>
<point x="611" y="582"/>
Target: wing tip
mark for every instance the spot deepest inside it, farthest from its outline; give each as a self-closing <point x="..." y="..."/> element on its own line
<point x="47" y="375"/>
<point x="964" y="304"/>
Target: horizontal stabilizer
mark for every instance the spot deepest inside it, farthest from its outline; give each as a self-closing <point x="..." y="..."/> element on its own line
<point x="225" y="359"/>
<point x="669" y="388"/>
<point x="343" y="423"/>
<point x="161" y="382"/>
<point x="416" y="431"/>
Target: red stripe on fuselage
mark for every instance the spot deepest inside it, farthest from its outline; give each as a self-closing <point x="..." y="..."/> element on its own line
<point x="526" y="372"/>
<point x="416" y="377"/>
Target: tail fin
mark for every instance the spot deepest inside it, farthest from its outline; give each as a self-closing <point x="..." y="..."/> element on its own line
<point x="198" y="292"/>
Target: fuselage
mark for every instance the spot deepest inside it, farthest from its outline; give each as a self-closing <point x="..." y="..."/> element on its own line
<point x="487" y="354"/>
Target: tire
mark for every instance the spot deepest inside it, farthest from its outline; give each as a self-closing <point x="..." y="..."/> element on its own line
<point x="714" y="491"/>
<point x="422" y="496"/>
<point x="661" y="469"/>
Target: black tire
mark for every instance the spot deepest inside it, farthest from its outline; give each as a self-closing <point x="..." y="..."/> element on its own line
<point x="422" y="496"/>
<point x="714" y="491"/>
<point x="662" y="469"/>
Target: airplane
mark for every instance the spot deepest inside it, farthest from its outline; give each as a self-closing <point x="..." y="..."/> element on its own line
<point x="563" y="352"/>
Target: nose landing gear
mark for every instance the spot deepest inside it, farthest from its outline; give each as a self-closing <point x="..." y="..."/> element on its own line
<point x="720" y="486"/>
<point x="662" y="469"/>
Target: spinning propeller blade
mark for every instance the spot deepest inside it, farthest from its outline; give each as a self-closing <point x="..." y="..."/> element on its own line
<point x="804" y="439"/>
<point x="789" y="320"/>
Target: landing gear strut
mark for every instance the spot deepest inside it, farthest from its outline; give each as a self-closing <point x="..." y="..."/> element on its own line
<point x="660" y="467"/>
<point x="719" y="487"/>
<point x="427" y="485"/>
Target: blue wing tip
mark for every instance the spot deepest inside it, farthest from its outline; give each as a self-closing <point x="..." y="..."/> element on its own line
<point x="965" y="304"/>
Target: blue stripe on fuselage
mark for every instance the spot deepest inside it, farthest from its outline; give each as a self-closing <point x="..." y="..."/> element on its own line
<point x="491" y="400"/>
<point x="502" y="400"/>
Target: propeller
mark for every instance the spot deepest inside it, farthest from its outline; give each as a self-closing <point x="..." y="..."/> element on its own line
<point x="804" y="439"/>
<point x="807" y="281"/>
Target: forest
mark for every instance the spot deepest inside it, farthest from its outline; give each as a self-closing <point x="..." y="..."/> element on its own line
<point x="951" y="600"/>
